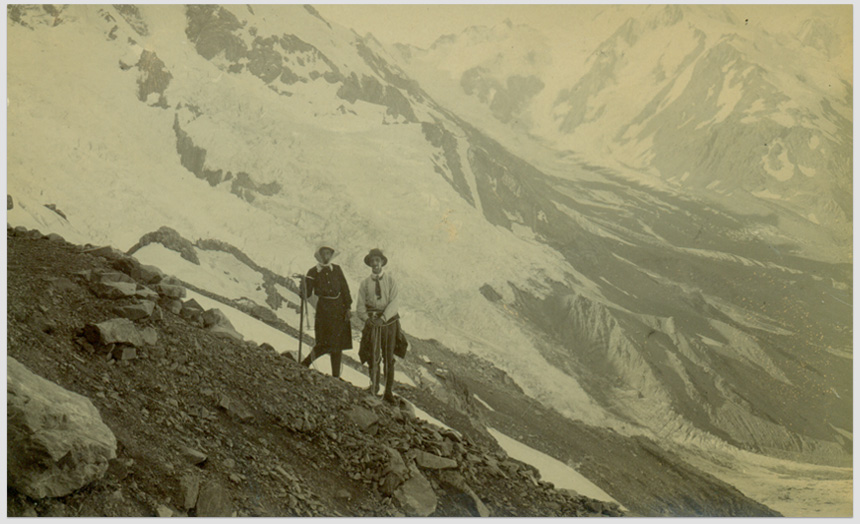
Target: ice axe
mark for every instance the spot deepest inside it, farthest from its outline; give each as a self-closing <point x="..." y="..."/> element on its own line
<point x="302" y="307"/>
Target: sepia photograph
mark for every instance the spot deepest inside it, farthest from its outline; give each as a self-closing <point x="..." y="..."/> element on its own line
<point x="429" y="260"/>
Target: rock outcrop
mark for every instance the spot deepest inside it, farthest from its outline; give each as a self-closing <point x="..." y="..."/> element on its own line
<point x="57" y="442"/>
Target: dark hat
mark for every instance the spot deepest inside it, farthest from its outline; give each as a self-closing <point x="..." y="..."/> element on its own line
<point x="376" y="252"/>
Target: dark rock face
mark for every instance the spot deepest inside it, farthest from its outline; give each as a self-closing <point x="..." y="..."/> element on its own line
<point x="154" y="78"/>
<point x="440" y="137"/>
<point x="171" y="239"/>
<point x="57" y="442"/>
<point x="490" y="294"/>
<point x="370" y="89"/>
<point x="193" y="158"/>
<point x="131" y="14"/>
<point x="211" y="28"/>
<point x="264" y="61"/>
<point x="243" y="186"/>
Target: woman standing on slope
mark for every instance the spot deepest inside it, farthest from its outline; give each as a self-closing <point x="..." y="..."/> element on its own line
<point x="377" y="305"/>
<point x="331" y="325"/>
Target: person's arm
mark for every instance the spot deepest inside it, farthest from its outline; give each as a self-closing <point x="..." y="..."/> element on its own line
<point x="309" y="282"/>
<point x="393" y="300"/>
<point x="360" y="306"/>
<point x="344" y="288"/>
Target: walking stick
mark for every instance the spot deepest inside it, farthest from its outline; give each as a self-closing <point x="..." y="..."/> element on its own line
<point x="301" y="315"/>
<point x="376" y="358"/>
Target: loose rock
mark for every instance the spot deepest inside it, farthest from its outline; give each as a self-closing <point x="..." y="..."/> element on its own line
<point x="416" y="496"/>
<point x="114" y="331"/>
<point x="138" y="311"/>
<point x="214" y="501"/>
<point x="57" y="442"/>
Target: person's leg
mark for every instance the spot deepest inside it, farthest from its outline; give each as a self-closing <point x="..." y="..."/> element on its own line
<point x="390" y="339"/>
<point x="335" y="362"/>
<point x="313" y="355"/>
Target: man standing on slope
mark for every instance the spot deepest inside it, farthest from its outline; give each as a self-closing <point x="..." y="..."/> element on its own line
<point x="377" y="307"/>
<point x="331" y="325"/>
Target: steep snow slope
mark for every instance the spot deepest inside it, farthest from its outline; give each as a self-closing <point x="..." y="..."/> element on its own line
<point x="330" y="173"/>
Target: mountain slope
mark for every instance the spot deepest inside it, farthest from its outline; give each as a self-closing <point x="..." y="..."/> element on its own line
<point x="275" y="438"/>
<point x="267" y="129"/>
<point x="692" y="95"/>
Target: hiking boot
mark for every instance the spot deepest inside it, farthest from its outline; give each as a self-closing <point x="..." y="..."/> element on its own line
<point x="390" y="398"/>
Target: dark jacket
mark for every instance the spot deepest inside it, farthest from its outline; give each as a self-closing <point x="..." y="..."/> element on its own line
<point x="331" y="325"/>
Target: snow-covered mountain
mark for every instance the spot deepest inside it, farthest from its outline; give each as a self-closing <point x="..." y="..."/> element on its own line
<point x="695" y="96"/>
<point x="633" y="306"/>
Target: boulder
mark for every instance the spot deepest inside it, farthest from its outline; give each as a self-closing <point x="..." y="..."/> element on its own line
<point x="54" y="237"/>
<point x="189" y="489"/>
<point x="114" y="331"/>
<point x="114" y="290"/>
<point x="146" y="294"/>
<point x="120" y="468"/>
<point x="193" y="456"/>
<point x="406" y="407"/>
<point x="226" y="332"/>
<point x="149" y="336"/>
<point x="214" y="317"/>
<point x="214" y="501"/>
<point x="56" y="440"/>
<point x="363" y="418"/>
<point x="127" y="265"/>
<point x="149" y="274"/>
<point x="446" y="447"/>
<point x="115" y="276"/>
<point x="174" y="305"/>
<point x="191" y="311"/>
<point x="454" y="483"/>
<point x="235" y="408"/>
<point x="138" y="311"/>
<point x="493" y="466"/>
<point x="396" y="472"/>
<point x="124" y="353"/>
<point x="430" y="461"/>
<point x="169" y="290"/>
<point x="416" y="496"/>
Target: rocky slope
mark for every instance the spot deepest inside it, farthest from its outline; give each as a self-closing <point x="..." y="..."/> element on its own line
<point x="209" y="425"/>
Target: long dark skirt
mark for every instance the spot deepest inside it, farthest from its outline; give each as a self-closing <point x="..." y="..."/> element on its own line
<point x="331" y="327"/>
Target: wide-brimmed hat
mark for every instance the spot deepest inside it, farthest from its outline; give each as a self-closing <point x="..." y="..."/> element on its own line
<point x="325" y="245"/>
<point x="375" y="253"/>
